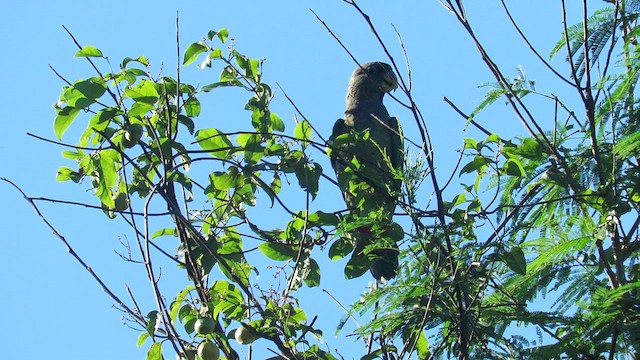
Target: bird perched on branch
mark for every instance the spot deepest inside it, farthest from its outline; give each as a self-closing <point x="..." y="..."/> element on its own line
<point x="367" y="154"/>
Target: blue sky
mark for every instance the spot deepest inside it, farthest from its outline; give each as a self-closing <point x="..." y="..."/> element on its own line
<point x="51" y="306"/>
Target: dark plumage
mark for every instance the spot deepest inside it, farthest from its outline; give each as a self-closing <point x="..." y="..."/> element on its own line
<point x="365" y="166"/>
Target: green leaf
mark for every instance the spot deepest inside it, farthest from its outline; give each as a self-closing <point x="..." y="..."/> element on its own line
<point x="513" y="168"/>
<point x="252" y="146"/>
<point x="155" y="353"/>
<point x="139" y="109"/>
<point x="192" y="106"/>
<point x="259" y="120"/>
<point x="145" y="92"/>
<point x="628" y="145"/>
<point x="192" y="52"/>
<point x="89" y="51"/>
<point x="185" y="311"/>
<point x="73" y="155"/>
<point x="215" y="85"/>
<point x="142" y="338"/>
<point x="164" y="232"/>
<point x="215" y="142"/>
<point x="229" y="73"/>
<point x="493" y="138"/>
<point x="530" y="149"/>
<point x="215" y="54"/>
<point x="104" y="115"/>
<point x="226" y="180"/>
<point x="180" y="178"/>
<point x="84" y="92"/>
<point x="250" y="66"/>
<point x="303" y="131"/>
<point x="275" y="185"/>
<point x="279" y="252"/>
<point x="323" y="218"/>
<point x="66" y="174"/>
<point x="187" y="122"/>
<point x="422" y="345"/>
<point x="477" y="164"/>
<point x="340" y="248"/>
<point x="64" y="119"/>
<point x="357" y="266"/>
<point x="313" y="275"/>
<point x="152" y="321"/>
<point x="141" y="59"/>
<point x="275" y="122"/>
<point x="227" y="299"/>
<point x="470" y="143"/>
<point x="308" y="177"/>
<point x="177" y="305"/>
<point x="223" y="34"/>
<point x="516" y="261"/>
<point x="109" y="161"/>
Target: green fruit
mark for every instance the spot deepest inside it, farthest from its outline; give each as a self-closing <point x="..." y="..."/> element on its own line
<point x="127" y="143"/>
<point x="204" y="326"/>
<point x="121" y="202"/>
<point x="245" y="336"/>
<point x="208" y="351"/>
<point x="132" y="134"/>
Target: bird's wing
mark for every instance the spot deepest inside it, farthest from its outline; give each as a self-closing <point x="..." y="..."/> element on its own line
<point x="339" y="128"/>
<point x="396" y="153"/>
<point x="397" y="144"/>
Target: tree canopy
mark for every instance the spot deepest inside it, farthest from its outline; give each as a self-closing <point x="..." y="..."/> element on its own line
<point x="551" y="215"/>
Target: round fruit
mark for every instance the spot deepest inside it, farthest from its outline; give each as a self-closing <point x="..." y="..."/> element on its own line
<point x="132" y="134"/>
<point x="120" y="202"/>
<point x="245" y="336"/>
<point x="204" y="326"/>
<point x="208" y="351"/>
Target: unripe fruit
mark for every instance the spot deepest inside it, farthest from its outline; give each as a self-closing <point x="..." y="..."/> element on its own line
<point x="245" y="336"/>
<point x="132" y="134"/>
<point x="121" y="203"/>
<point x="204" y="326"/>
<point x="208" y="351"/>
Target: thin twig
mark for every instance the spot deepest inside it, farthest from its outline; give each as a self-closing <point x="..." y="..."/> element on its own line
<point x="471" y="121"/>
<point x="533" y="49"/>
<point x="136" y="316"/>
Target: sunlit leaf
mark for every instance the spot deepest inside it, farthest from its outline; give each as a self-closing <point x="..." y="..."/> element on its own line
<point x="142" y="338"/>
<point x="192" y="52"/>
<point x="144" y="92"/>
<point x="275" y="251"/>
<point x="312" y="279"/>
<point x="192" y="106"/>
<point x="223" y="34"/>
<point x="155" y="353"/>
<point x="89" y="51"/>
<point x="303" y="131"/>
<point x="215" y="142"/>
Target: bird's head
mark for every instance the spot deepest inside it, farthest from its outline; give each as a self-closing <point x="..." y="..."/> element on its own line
<point x="373" y="79"/>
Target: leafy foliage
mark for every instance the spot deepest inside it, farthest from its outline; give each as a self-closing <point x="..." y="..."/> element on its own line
<point x="550" y="215"/>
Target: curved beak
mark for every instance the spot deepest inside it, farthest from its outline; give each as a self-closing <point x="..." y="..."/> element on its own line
<point x="390" y="82"/>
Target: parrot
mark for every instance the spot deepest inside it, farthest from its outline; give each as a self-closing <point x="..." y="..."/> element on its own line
<point x="367" y="154"/>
